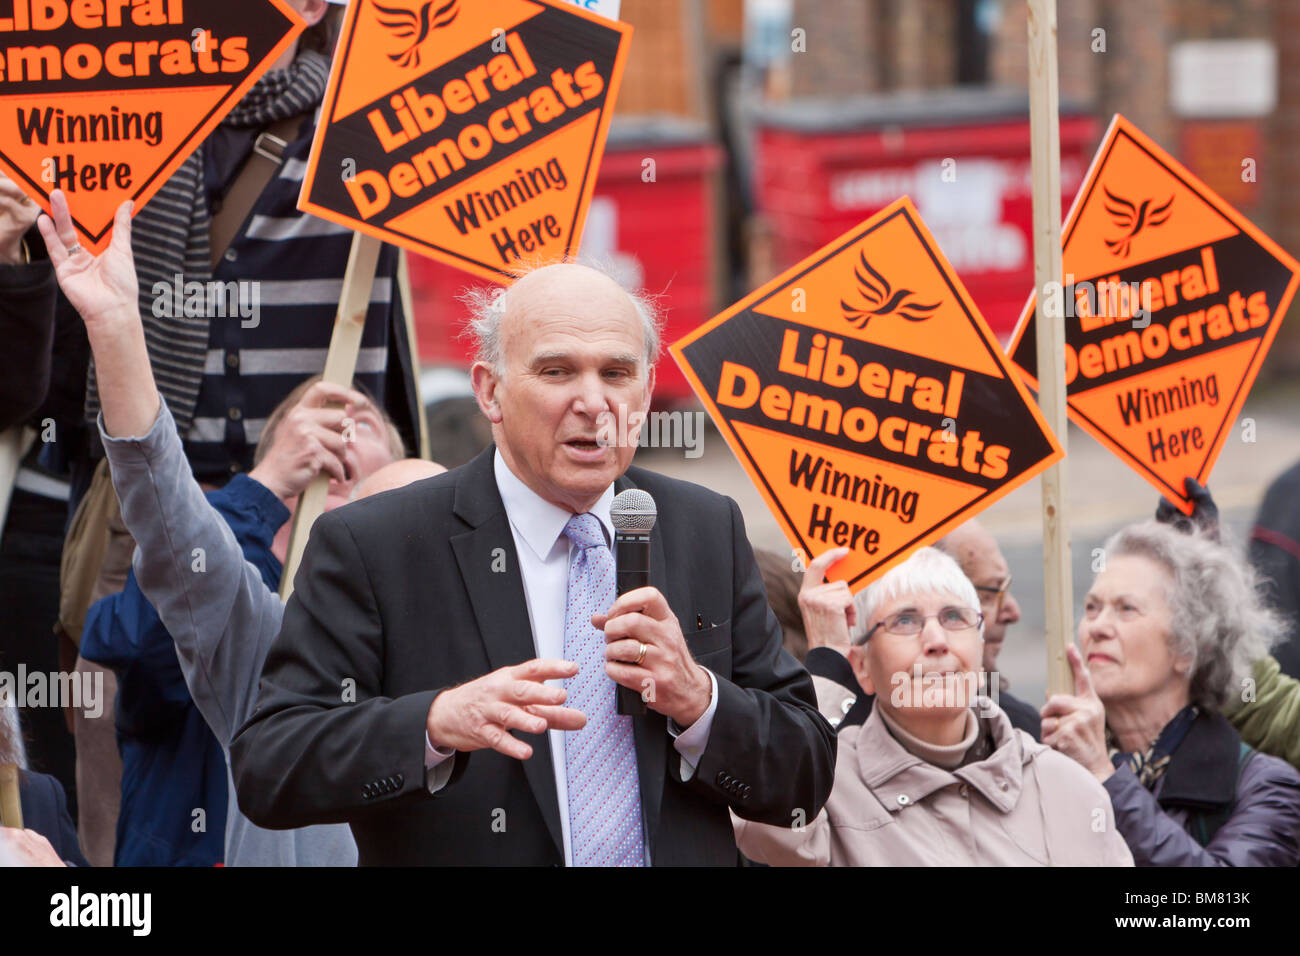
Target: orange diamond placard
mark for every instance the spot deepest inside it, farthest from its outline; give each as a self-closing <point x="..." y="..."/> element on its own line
<point x="104" y="99"/>
<point x="1171" y="300"/>
<point x="467" y="131"/>
<point x="866" y="397"/>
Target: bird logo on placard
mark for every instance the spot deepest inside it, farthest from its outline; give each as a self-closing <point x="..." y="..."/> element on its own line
<point x="882" y="300"/>
<point x="1133" y="218"/>
<point x="416" y="26"/>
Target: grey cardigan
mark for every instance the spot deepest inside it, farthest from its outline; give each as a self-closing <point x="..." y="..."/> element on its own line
<point x="222" y="618"/>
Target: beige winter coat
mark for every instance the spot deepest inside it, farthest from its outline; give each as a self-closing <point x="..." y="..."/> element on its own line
<point x="1023" y="805"/>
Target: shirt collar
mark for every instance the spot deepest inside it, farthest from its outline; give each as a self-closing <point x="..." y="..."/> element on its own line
<point x="539" y="522"/>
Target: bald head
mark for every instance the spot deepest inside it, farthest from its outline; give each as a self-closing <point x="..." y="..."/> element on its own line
<point x="396" y="475"/>
<point x="497" y="313"/>
<point x="981" y="560"/>
<point x="966" y="542"/>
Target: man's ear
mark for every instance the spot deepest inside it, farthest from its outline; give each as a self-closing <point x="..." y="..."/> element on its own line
<point x="485" y="383"/>
<point x="858" y="661"/>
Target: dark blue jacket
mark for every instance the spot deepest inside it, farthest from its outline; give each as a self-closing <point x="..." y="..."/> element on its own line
<point x="45" y="810"/>
<point x="172" y="765"/>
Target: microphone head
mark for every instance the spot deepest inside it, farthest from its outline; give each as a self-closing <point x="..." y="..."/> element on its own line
<point x="633" y="510"/>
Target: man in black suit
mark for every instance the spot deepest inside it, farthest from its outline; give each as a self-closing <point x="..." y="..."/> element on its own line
<point x="426" y="623"/>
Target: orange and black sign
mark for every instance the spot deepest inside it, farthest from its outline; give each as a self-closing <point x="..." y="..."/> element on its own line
<point x="470" y="132"/>
<point x="104" y="99"/>
<point x="867" y="398"/>
<point x="1171" y="300"/>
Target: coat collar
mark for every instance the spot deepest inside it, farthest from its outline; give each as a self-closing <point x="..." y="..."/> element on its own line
<point x="899" y="778"/>
<point x="1203" y="771"/>
<point x="501" y="611"/>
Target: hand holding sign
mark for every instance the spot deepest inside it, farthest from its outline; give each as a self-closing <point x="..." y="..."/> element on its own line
<point x="310" y="440"/>
<point x="102" y="288"/>
<point x="827" y="606"/>
<point x="17" y="213"/>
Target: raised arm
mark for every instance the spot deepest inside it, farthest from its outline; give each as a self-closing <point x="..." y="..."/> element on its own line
<point x="104" y="290"/>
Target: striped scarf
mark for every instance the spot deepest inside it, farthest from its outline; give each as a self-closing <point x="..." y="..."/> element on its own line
<point x="170" y="236"/>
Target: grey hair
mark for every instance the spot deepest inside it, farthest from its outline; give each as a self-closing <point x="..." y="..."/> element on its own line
<point x="486" y="306"/>
<point x="1219" y="620"/>
<point x="11" y="734"/>
<point x="929" y="570"/>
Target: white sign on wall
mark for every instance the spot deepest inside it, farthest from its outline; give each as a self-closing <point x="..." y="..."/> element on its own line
<point x="1220" y="79"/>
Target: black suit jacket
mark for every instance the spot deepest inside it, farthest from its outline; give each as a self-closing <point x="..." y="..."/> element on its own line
<point x="400" y="594"/>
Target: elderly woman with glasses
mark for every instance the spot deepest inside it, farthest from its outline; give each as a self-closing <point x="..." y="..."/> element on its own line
<point x="1170" y="629"/>
<point x="934" y="775"/>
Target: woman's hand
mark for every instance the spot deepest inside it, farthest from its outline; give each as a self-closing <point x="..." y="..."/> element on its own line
<point x="17" y="213"/>
<point x="1075" y="724"/>
<point x="102" y="288"/>
<point x="827" y="606"/>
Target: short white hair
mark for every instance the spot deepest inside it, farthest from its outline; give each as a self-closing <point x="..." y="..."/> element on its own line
<point x="487" y="306"/>
<point x="928" y="571"/>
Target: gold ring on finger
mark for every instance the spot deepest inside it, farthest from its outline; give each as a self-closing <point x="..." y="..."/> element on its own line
<point x="641" y="654"/>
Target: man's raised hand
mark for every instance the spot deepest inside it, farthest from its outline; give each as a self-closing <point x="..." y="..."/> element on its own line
<point x="480" y="714"/>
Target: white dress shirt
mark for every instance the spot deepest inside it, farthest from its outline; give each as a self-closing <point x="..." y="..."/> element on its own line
<point x="544" y="553"/>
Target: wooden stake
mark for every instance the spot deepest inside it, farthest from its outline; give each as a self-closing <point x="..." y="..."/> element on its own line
<point x="340" y="366"/>
<point x="408" y="311"/>
<point x="1045" y="160"/>
<point x="11" y="806"/>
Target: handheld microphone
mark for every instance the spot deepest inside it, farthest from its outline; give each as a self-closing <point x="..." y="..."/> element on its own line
<point x="633" y="515"/>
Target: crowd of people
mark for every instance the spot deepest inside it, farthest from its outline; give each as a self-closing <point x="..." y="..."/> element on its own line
<point x="442" y="688"/>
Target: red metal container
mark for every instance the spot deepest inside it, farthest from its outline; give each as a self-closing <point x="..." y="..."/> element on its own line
<point x="822" y="167"/>
<point x="652" y="222"/>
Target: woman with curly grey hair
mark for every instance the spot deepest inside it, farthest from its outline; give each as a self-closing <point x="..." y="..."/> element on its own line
<point x="1170" y="630"/>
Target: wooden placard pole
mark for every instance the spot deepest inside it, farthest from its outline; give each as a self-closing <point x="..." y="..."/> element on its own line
<point x="11" y="807"/>
<point x="1049" y="327"/>
<point x="412" y="340"/>
<point x="340" y="366"/>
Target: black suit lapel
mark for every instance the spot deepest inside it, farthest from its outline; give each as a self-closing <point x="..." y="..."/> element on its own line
<point x="651" y="729"/>
<point x="500" y="608"/>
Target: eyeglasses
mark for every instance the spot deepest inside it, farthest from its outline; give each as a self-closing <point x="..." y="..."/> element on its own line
<point x="1000" y="592"/>
<point x="911" y="623"/>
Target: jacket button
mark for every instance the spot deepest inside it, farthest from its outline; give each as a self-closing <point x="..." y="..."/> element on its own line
<point x="904" y="799"/>
<point x="722" y="779"/>
<point x="400" y="780"/>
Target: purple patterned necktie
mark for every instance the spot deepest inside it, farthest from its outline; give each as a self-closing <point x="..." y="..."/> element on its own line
<point x="600" y="759"/>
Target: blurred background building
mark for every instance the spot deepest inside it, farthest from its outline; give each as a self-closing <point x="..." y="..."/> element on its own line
<point x="750" y="132"/>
